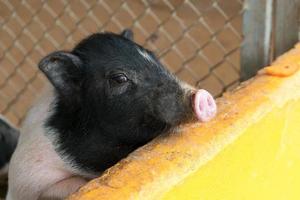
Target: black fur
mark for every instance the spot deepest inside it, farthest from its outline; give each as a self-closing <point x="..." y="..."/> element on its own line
<point x="110" y="100"/>
<point x="8" y="141"/>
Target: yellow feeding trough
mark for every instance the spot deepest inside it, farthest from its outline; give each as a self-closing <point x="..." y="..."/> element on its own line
<point x="251" y="150"/>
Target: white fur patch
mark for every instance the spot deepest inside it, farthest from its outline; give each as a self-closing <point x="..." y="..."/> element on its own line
<point x="145" y="55"/>
<point x="35" y="166"/>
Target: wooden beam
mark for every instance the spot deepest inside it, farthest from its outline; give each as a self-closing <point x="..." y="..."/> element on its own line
<point x="257" y="28"/>
<point x="286" y="25"/>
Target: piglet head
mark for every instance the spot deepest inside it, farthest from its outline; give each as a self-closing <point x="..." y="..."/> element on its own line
<point x="111" y="90"/>
<point x="123" y="89"/>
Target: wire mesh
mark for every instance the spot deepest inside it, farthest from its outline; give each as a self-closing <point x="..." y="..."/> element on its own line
<point x="197" y="40"/>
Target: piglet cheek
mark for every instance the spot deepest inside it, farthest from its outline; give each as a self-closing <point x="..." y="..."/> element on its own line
<point x="204" y="105"/>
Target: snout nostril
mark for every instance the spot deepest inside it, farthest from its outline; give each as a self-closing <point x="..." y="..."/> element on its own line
<point x="209" y="101"/>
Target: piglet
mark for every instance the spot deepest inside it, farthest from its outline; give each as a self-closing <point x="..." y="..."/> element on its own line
<point x="107" y="97"/>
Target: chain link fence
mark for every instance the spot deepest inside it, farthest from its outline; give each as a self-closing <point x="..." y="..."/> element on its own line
<point x="198" y="40"/>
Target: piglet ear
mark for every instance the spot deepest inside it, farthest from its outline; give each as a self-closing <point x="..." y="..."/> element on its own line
<point x="63" y="70"/>
<point x="127" y="33"/>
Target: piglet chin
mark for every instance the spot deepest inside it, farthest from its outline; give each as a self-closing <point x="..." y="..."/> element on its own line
<point x="204" y="105"/>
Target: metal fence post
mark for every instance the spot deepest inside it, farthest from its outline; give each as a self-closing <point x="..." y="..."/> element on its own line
<point x="270" y="28"/>
<point x="257" y="29"/>
<point x="286" y="25"/>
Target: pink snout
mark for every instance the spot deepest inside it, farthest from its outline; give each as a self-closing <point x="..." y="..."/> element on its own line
<point x="204" y="105"/>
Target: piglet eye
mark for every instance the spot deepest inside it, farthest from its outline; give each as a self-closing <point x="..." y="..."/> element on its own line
<point x="119" y="78"/>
